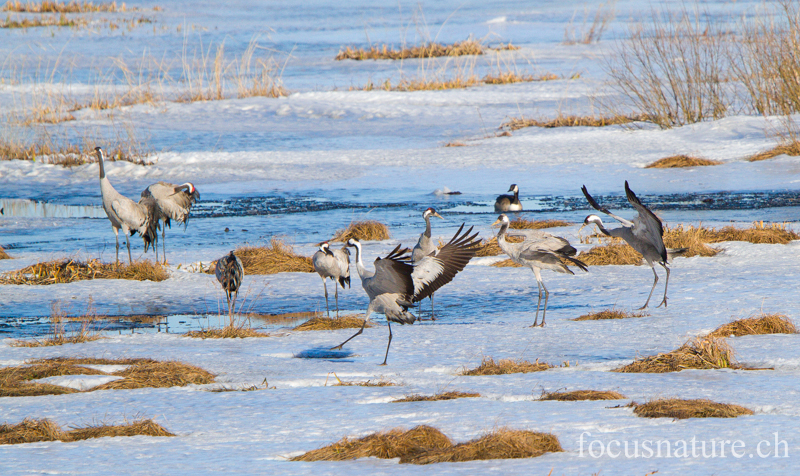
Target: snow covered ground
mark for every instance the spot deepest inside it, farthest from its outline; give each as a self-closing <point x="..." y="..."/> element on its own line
<point x="378" y="154"/>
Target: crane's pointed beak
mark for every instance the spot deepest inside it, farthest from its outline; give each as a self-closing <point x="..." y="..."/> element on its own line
<point x="437" y="215"/>
<point x="496" y="223"/>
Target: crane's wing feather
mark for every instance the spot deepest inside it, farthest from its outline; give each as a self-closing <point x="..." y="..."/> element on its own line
<point x="647" y="226"/>
<point x="174" y="201"/>
<point x="392" y="275"/>
<point x="436" y="270"/>
<point x="597" y="207"/>
<point x="130" y="213"/>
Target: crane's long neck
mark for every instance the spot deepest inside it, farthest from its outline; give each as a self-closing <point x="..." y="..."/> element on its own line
<point x="602" y="228"/>
<point x="362" y="271"/>
<point x="100" y="162"/>
<point x="501" y="236"/>
<point x="427" y="226"/>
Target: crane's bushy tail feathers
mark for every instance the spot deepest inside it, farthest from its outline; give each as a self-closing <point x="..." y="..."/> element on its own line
<point x="344" y="280"/>
<point x="568" y="250"/>
<point x="401" y="317"/>
<point x="673" y="252"/>
<point x="576" y="262"/>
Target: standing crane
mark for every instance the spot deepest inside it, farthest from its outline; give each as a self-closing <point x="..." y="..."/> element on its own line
<point x="125" y="214"/>
<point x="539" y="250"/>
<point x="644" y="234"/>
<point x="425" y="246"/>
<point x="174" y="203"/>
<point x="229" y="272"/>
<point x="509" y="203"/>
<point x="396" y="284"/>
<point x="334" y="264"/>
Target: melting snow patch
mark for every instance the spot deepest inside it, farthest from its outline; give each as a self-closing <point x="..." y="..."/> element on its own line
<point x="78" y="382"/>
<point x="109" y="369"/>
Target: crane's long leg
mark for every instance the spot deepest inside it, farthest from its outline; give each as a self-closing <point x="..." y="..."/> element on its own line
<point x="325" y="286"/>
<point x="390" y="342"/>
<point x="128" y="241"/>
<point x="655" y="281"/>
<point x="546" y="297"/>
<point x="538" y="276"/>
<point x="233" y="306"/>
<point x="433" y="317"/>
<point x="336" y="294"/>
<point x="366" y="318"/>
<point x="163" y="244"/>
<point x="116" y="235"/>
<point x="666" y="285"/>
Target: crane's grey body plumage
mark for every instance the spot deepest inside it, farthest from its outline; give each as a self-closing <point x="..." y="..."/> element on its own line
<point x="396" y="284"/>
<point x="509" y="203"/>
<point x="333" y="264"/>
<point x="230" y="272"/>
<point x="125" y="214"/>
<point x="539" y="250"/>
<point x="425" y="246"/>
<point x="644" y="234"/>
<point x="174" y="203"/>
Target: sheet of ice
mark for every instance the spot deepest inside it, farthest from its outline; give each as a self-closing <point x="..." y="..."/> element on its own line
<point x="78" y="382"/>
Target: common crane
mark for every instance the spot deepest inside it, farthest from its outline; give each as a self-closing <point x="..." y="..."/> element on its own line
<point x="174" y="203"/>
<point x="396" y="284"/>
<point x="539" y="250"/>
<point x="509" y="203"/>
<point x="425" y="246"/>
<point x="333" y="264"/>
<point x="229" y="272"/>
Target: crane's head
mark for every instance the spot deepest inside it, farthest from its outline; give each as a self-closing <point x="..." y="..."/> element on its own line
<point x="430" y="212"/>
<point x="592" y="219"/>
<point x="354" y="243"/>
<point x="501" y="220"/>
<point x="325" y="248"/>
<point x="513" y="188"/>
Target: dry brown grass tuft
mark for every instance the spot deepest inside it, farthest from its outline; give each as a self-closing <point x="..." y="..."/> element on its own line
<point x="456" y="143"/>
<point x="678" y="408"/>
<point x="705" y="353"/>
<point x="503" y="443"/>
<point x="439" y="396"/>
<point x="50" y="6"/>
<point x="382" y="382"/>
<point x="516" y="123"/>
<point x="610" y="314"/>
<point x="791" y="148"/>
<point x="506" y="263"/>
<point x="520" y="223"/>
<point x="386" y="445"/>
<point x="681" y="161"/>
<point x="430" y="50"/>
<point x="61" y="20"/>
<point x="30" y="430"/>
<point x="759" y="233"/>
<point x="351" y="321"/>
<point x="692" y="238"/>
<point x="577" y="395"/>
<point x="68" y="271"/>
<point x="756" y="325"/>
<point x="3" y="254"/>
<point x="227" y="332"/>
<point x="491" y="248"/>
<point x="60" y="340"/>
<point x="510" y="77"/>
<point x="278" y="257"/>
<point x="363" y="230"/>
<point x="611" y="254"/>
<point x="506" y="366"/>
<point x="147" y="373"/>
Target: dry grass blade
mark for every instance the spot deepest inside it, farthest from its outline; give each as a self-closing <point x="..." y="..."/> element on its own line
<point x="439" y="396"/>
<point x="50" y="6"/>
<point x="506" y="366"/>
<point x="3" y="254"/>
<point x="756" y="325"/>
<point x="227" y="332"/>
<point x="789" y="148"/>
<point x="364" y="383"/>
<point x="60" y="340"/>
<point x="516" y="123"/>
<point x="366" y="230"/>
<point x="520" y="223"/>
<point x="386" y="445"/>
<point x="29" y="431"/>
<point x="278" y="257"/>
<point x="706" y="353"/>
<point x="153" y="374"/>
<point x="500" y="444"/>
<point x="678" y="408"/>
<point x="611" y="254"/>
<point x="759" y="233"/>
<point x="578" y="395"/>
<point x="430" y="50"/>
<point x="610" y="314"/>
<point x="351" y="321"/>
<point x="68" y="271"/>
<point x="681" y="161"/>
<point x="140" y="427"/>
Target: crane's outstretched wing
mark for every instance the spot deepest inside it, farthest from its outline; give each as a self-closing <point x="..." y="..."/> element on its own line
<point x="647" y="226"/>
<point x="393" y="276"/>
<point x="436" y="270"/>
<point x="542" y="239"/>
<point x="597" y="207"/>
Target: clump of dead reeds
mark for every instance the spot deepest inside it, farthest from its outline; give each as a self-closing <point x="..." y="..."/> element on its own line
<point x="506" y="263"/>
<point x="610" y="314"/>
<point x="365" y="230"/>
<point x="278" y="257"/>
<point x="759" y="233"/>
<point x="561" y="120"/>
<point x="3" y="254"/>
<point x="502" y="443"/>
<point x="350" y="321"/>
<point x="679" y="408"/>
<point x="578" y="395"/>
<point x="74" y="339"/>
<point x="511" y="77"/>
<point x="756" y="325"/>
<point x="506" y="366"/>
<point x="700" y="353"/>
<point x="227" y="332"/>
<point x="520" y="223"/>
<point x="491" y="248"/>
<point x="386" y="445"/>
<point x="31" y="430"/>
<point x="452" y="395"/>
<point x="791" y="148"/>
<point x="58" y="332"/>
<point x="692" y="238"/>
<point x="145" y="373"/>
<point x="610" y="254"/>
<point x="429" y="50"/>
<point x="69" y="270"/>
<point x="381" y="382"/>
<point x="61" y="20"/>
<point x="52" y="6"/>
<point x="681" y="161"/>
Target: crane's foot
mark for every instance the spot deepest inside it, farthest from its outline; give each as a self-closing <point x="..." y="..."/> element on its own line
<point x="537" y="325"/>
<point x="663" y="303"/>
<point x="382" y="365"/>
<point x="338" y="347"/>
<point x="643" y="307"/>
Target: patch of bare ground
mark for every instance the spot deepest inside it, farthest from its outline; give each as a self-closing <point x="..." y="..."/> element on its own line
<point x="364" y="230"/>
<point x="681" y="409"/>
<point x="506" y="366"/>
<point x="561" y="120"/>
<point x="321" y="323"/>
<point x="429" y="50"/>
<point x="390" y="444"/>
<point x="578" y="395"/>
<point x="790" y="148"/>
<point x="69" y="270"/>
<point x="31" y="430"/>
<point x="227" y="332"/>
<point x="503" y="443"/>
<point x="278" y="257"/>
<point x="452" y="395"/>
<point x="700" y="353"/>
<point x="675" y="161"/>
<point x="610" y="314"/>
<point x="756" y="325"/>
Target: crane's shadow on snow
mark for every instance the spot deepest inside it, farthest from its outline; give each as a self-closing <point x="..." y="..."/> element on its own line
<point x="324" y="353"/>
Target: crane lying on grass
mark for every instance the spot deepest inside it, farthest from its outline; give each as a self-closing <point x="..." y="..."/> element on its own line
<point x="396" y="284"/>
<point x="174" y="203"/>
<point x="333" y="264"/>
<point x="229" y="272"/>
<point x="509" y="203"/>
<point x="539" y="250"/>
<point x="425" y="246"/>
<point x="125" y="214"/>
<point x="644" y="234"/>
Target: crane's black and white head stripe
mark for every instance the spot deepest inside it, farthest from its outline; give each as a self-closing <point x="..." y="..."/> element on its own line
<point x="325" y="247"/>
<point x="593" y="219"/>
<point x="431" y="212"/>
<point x="501" y="220"/>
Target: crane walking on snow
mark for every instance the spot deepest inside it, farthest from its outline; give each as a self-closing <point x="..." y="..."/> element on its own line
<point x="229" y="272"/>
<point x="425" y="246"/>
<point x="174" y="203"/>
<point x="334" y="264"/>
<point x="396" y="284"/>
